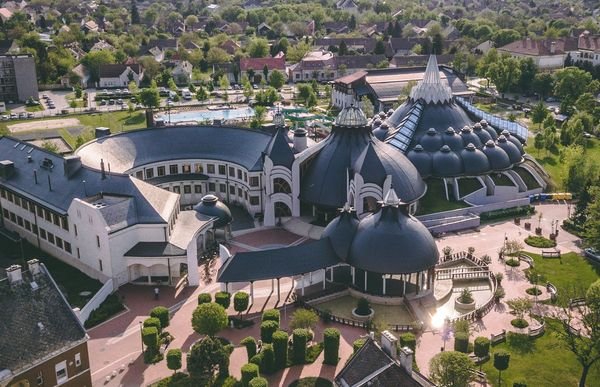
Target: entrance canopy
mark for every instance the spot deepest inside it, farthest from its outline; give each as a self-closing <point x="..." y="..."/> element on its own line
<point x="278" y="263"/>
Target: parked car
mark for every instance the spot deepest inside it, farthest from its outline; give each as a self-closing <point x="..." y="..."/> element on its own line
<point x="13" y="116"/>
<point x="119" y="102"/>
<point x="592" y="254"/>
<point x="30" y="115"/>
<point x="5" y="117"/>
<point x="22" y="115"/>
<point x="51" y="106"/>
<point x="103" y="102"/>
<point x="111" y="101"/>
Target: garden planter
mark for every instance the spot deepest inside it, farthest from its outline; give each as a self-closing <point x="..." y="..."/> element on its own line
<point x="464" y="307"/>
<point x="527" y="226"/>
<point x="552" y="237"/>
<point x="538" y="231"/>
<point x="517" y="221"/>
<point x="362" y="318"/>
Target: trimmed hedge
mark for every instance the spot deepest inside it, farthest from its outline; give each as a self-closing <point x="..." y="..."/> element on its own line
<point x="331" y="344"/>
<point x="110" y="307"/>
<point x="271" y="315"/>
<point x="249" y="372"/>
<point x="268" y="359"/>
<point x="150" y="337"/>
<point x="174" y="359"/>
<point x="256" y="359"/>
<point x="461" y="342"/>
<point x="280" y="347"/>
<point x="152" y="322"/>
<point x="259" y="382"/>
<point x="299" y="339"/>
<point x="539" y="241"/>
<point x="357" y="344"/>
<point x="512" y="262"/>
<point x="408" y="340"/>
<point x="250" y="344"/>
<point x="519" y="323"/>
<point x="204" y="298"/>
<point x="223" y="299"/>
<point x="267" y="328"/>
<point x="507" y="213"/>
<point x="481" y="346"/>
<point x="241" y="300"/>
<point x="161" y="313"/>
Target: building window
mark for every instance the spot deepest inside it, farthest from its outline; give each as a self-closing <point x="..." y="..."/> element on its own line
<point x="61" y="372"/>
<point x="77" y="360"/>
<point x="231" y="190"/>
<point x="187" y="189"/>
<point x="210" y="168"/>
<point x="75" y="229"/>
<point x="40" y="379"/>
<point x="56" y="220"/>
<point x="51" y="237"/>
<point x="40" y="212"/>
<point x="254" y="201"/>
<point x="140" y="175"/>
<point x="27" y="225"/>
<point x="34" y="229"/>
<point x="199" y="168"/>
<point x="231" y="171"/>
<point x="68" y="247"/>
<point x="239" y="174"/>
<point x="187" y="168"/>
<point x="173" y="169"/>
<point x="222" y="170"/>
<point x="149" y="173"/>
<point x="6" y="213"/>
<point x="78" y="254"/>
<point x="100" y="264"/>
<point x="47" y="216"/>
<point x="98" y="241"/>
<point x="42" y="233"/>
<point x="59" y="242"/>
<point x="211" y="187"/>
<point x="176" y="189"/>
<point x="222" y="188"/>
<point x="281" y="186"/>
<point x="160" y="171"/>
<point x="197" y="189"/>
<point x="20" y="221"/>
<point x="64" y="223"/>
<point x="253" y="181"/>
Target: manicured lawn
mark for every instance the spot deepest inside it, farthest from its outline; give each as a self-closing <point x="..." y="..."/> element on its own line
<point x="544" y="361"/>
<point x="35" y="108"/>
<point x="116" y="121"/>
<point x="571" y="271"/>
<point x="435" y="199"/>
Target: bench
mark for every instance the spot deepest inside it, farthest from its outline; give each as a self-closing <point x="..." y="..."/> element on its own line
<point x="575" y="302"/>
<point x="551" y="254"/>
<point x="495" y="339"/>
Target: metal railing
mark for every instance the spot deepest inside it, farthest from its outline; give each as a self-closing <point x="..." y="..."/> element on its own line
<point x="495" y="121"/>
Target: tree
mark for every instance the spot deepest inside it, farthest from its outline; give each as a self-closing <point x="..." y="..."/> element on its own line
<point x="343" y="50"/>
<point x="505" y="36"/>
<point x="259" y="117"/>
<point x="307" y="95"/>
<point x="539" y="141"/>
<point x="258" y="48"/>
<point x="280" y="348"/>
<point x="543" y="84"/>
<point x="501" y="360"/>
<point x="528" y="73"/>
<point x="135" y="14"/>
<point x="190" y="20"/>
<point x="571" y="82"/>
<point x="162" y="314"/>
<point x="367" y="106"/>
<point x="450" y="369"/>
<point x="437" y="44"/>
<point x="93" y="60"/>
<point x="78" y="91"/>
<point x="223" y="299"/>
<point x="504" y="73"/>
<point x="207" y="357"/>
<point x="201" y="94"/>
<point x="379" y="48"/>
<point x="331" y="345"/>
<point x="50" y="147"/>
<point x="133" y="88"/>
<point x="208" y="319"/>
<point x="249" y="372"/>
<point x="240" y="301"/>
<point x="150" y="98"/>
<point x="217" y="55"/>
<point x="304" y="318"/>
<point x="585" y="103"/>
<point x="592" y="223"/>
<point x="481" y="348"/>
<point x="277" y="79"/>
<point x="352" y="23"/>
<point x="539" y="113"/>
<point x="174" y="359"/>
<point x="265" y="72"/>
<point x="224" y="85"/>
<point x="250" y="344"/>
<point x="297" y="52"/>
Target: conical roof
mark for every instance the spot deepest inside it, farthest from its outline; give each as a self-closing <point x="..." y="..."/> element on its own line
<point x="431" y="89"/>
<point x="279" y="151"/>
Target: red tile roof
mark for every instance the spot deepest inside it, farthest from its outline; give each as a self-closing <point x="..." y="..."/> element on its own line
<point x="540" y="47"/>
<point x="589" y="42"/>
<point x="259" y="63"/>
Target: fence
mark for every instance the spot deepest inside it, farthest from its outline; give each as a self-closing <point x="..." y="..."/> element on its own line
<point x="552" y="290"/>
<point x="535" y="332"/>
<point x="105" y="291"/>
<point x="462" y="273"/>
<point x="460" y="256"/>
<point x="497" y="122"/>
<point x="485" y="308"/>
<point x="526" y="258"/>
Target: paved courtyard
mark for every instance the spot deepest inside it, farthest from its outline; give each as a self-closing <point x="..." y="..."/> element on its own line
<point x="115" y="346"/>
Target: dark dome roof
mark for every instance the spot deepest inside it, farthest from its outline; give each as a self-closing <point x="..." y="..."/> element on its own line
<point x="452" y="139"/>
<point x="392" y="242"/>
<point x="475" y="161"/>
<point x="380" y="133"/>
<point x="421" y="160"/>
<point x="376" y="122"/>
<point x="483" y="134"/>
<point x="489" y="129"/>
<point x="514" y="154"/>
<point x="514" y="140"/>
<point x="211" y="206"/>
<point x="431" y="140"/>
<point x="498" y="158"/>
<point x="469" y="137"/>
<point x="340" y="232"/>
<point x="446" y="163"/>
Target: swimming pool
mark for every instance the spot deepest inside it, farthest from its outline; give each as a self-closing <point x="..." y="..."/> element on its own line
<point x="208" y="115"/>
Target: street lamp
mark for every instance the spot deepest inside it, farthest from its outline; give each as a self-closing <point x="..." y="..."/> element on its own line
<point x="141" y="336"/>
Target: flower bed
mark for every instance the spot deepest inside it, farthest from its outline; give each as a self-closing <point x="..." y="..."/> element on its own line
<point x="539" y="241"/>
<point x="519" y="323"/>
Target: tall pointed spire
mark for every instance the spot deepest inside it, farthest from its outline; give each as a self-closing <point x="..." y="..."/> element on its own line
<point x="432" y="89"/>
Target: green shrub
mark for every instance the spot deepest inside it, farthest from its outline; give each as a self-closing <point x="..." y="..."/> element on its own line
<point x="250" y="344"/>
<point x="408" y="340"/>
<point x="466" y="297"/>
<point x="241" y="301"/>
<point x="161" y="313"/>
<point x="313" y="352"/>
<point x="256" y="359"/>
<point x="462" y="326"/>
<point x="152" y="322"/>
<point x="512" y="262"/>
<point x="507" y="213"/>
<point x="533" y="291"/>
<point x="299" y="339"/>
<point x="258" y="382"/>
<point x="519" y="383"/>
<point x="249" y="372"/>
<point x="271" y="315"/>
<point x="331" y="344"/>
<point x="174" y="359"/>
<point x="461" y="342"/>
<point x="357" y="344"/>
<point x="539" y="241"/>
<point x="111" y="306"/>
<point x="268" y="359"/>
<point x="363" y="308"/>
<point x="150" y="337"/>
<point x="481" y="346"/>
<point x="280" y="347"/>
<point x="267" y="328"/>
<point x="223" y="299"/>
<point x="519" y="323"/>
<point x="204" y="298"/>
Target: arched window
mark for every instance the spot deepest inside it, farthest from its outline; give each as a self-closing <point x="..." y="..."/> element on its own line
<point x="369" y="204"/>
<point x="282" y="210"/>
<point x="281" y="186"/>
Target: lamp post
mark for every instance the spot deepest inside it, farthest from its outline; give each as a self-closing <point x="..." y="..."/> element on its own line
<point x="141" y="335"/>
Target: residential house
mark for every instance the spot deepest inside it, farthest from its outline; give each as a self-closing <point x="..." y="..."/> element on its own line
<point x="157" y="48"/>
<point x="253" y="67"/>
<point x="347" y="5"/>
<point x="5" y="14"/>
<point x="102" y="45"/>
<point x="588" y="48"/>
<point x="547" y="53"/>
<point x="119" y="75"/>
<point x="252" y="4"/>
<point x="360" y="45"/>
<point x="235" y="28"/>
<point x="83" y="74"/>
<point x="404" y="46"/>
<point x="483" y="47"/>
<point x="190" y="46"/>
<point x="43" y="342"/>
<point x="182" y="72"/>
<point x="325" y="66"/>
<point x="334" y="27"/>
<point x="418" y="60"/>
<point x="263" y="29"/>
<point x="381" y="364"/>
<point x="229" y="46"/>
<point x="89" y="26"/>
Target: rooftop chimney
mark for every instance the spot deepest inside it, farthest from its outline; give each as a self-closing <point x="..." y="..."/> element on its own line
<point x="300" y="141"/>
<point x="34" y="267"/>
<point x="552" y="48"/>
<point x="102" y="132"/>
<point x="102" y="169"/>
<point x="7" y="169"/>
<point x="71" y="164"/>
<point x="389" y="344"/>
<point x="14" y="274"/>
<point x="406" y="359"/>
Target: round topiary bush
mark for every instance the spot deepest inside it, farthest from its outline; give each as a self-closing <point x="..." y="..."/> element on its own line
<point x="152" y="322"/>
<point x="540" y="242"/>
<point x="241" y="300"/>
<point x="250" y="344"/>
<point x="481" y="346"/>
<point x="519" y="383"/>
<point x="204" y="298"/>
<point x="519" y="323"/>
<point x="461" y="342"/>
<point x="299" y="339"/>
<point x="331" y="346"/>
<point x="256" y="359"/>
<point x="512" y="262"/>
<point x="408" y="340"/>
<point x="533" y="291"/>
<point x="363" y="308"/>
<point x="271" y="315"/>
<point x="249" y="372"/>
<point x="161" y="313"/>
<point x="267" y="328"/>
<point x="357" y="344"/>
<point x="268" y="359"/>
<point x="258" y="382"/>
<point x="280" y="347"/>
<point x="223" y="299"/>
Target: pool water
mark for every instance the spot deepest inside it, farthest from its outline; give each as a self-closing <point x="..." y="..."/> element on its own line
<point x="208" y="115"/>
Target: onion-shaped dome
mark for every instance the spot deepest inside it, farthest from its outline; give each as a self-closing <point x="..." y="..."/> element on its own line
<point x="511" y="149"/>
<point x="513" y="139"/>
<point x="485" y="126"/>
<point x="475" y="161"/>
<point x="498" y="158"/>
<point x="340" y="232"/>
<point x="352" y="117"/>
<point x="392" y="242"/>
<point x="376" y="122"/>
<point x="483" y="135"/>
<point x="446" y="163"/>
<point x="452" y="139"/>
<point x="431" y="140"/>
<point x="382" y="131"/>
<point x="382" y="115"/>
<point x="211" y="206"/>
<point x="421" y="160"/>
<point x="469" y="137"/>
<point x="390" y="112"/>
